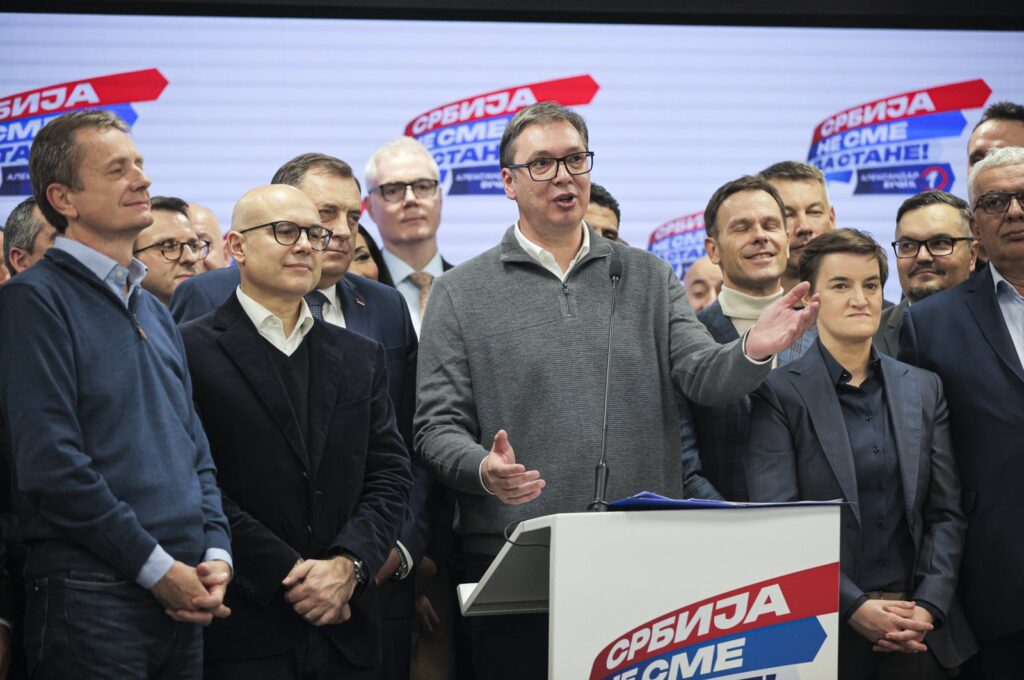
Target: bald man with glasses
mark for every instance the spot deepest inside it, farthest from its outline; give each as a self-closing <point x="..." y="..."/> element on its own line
<point x="314" y="472"/>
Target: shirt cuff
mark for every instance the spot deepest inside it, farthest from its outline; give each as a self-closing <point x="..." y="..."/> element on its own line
<point x="481" y="471"/>
<point x="756" y="362"/>
<point x="407" y="561"/>
<point x="219" y="554"/>
<point x="6" y="624"/>
<point x="155" y="568"/>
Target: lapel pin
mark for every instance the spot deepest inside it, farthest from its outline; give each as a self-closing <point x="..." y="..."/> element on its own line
<point x="360" y="300"/>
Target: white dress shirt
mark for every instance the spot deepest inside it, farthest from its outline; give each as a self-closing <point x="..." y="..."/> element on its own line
<point x="271" y="328"/>
<point x="332" y="311"/>
<point x="545" y="259"/>
<point x="1011" y="304"/>
<point x="400" y="272"/>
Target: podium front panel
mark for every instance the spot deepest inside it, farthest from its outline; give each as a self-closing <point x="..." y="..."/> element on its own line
<point x="731" y="594"/>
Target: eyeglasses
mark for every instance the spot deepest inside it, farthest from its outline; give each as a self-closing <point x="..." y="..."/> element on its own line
<point x="173" y="250"/>
<point x="393" y="192"/>
<point x="998" y="202"/>
<point x="545" y="169"/>
<point x="907" y="248"/>
<point x="287" y="234"/>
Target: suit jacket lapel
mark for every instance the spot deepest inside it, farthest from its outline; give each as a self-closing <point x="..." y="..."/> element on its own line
<point x="903" y="397"/>
<point x="325" y="376"/>
<point x="980" y="298"/>
<point x="250" y="353"/>
<point x="353" y="306"/>
<point x="718" y="324"/>
<point x="812" y="383"/>
<point x="797" y="349"/>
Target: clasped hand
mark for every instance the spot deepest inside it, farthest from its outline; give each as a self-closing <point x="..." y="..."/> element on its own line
<point x="319" y="590"/>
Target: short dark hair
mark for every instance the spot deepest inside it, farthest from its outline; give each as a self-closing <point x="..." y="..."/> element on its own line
<point x="793" y="171"/>
<point x="56" y="155"/>
<point x="169" y="204"/>
<point x="926" y="198"/>
<point x="541" y="113"/>
<point x="293" y="172"/>
<point x="383" y="275"/>
<point x="601" y="196"/>
<point x="745" y="183"/>
<point x="20" y="230"/>
<point x="840" y="241"/>
<point x="1002" y="111"/>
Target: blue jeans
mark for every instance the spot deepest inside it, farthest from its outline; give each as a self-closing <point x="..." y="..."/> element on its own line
<point x="99" y="626"/>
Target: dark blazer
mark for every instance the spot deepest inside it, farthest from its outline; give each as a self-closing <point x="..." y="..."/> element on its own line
<point x="343" y="490"/>
<point x="799" y="450"/>
<point x="722" y="430"/>
<point x="371" y="309"/>
<point x="960" y="334"/>
<point x="887" y="339"/>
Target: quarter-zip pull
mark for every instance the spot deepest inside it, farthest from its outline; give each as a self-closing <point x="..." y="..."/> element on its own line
<point x="138" y="327"/>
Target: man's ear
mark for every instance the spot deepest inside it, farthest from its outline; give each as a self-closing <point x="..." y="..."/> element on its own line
<point x="508" y="183"/>
<point x="59" y="196"/>
<point x="234" y="245"/>
<point x="711" y="246"/>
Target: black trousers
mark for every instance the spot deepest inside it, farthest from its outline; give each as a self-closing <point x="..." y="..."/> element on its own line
<point x="858" y="662"/>
<point x="510" y="647"/>
<point x="314" y="659"/>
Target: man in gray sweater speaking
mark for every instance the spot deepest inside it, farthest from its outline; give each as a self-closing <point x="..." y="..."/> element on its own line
<point x="512" y="355"/>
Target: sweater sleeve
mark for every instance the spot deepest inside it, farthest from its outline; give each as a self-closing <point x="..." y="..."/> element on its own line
<point x="39" y="395"/>
<point x="703" y="370"/>
<point x="447" y="430"/>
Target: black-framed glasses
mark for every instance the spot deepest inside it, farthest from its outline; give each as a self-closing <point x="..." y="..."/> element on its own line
<point x="287" y="233"/>
<point x="173" y="250"/>
<point x="545" y="169"/>
<point x="998" y="202"/>
<point x="938" y="246"/>
<point x="393" y="192"/>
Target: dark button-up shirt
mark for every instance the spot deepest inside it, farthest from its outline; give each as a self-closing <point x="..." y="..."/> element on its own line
<point x="887" y="549"/>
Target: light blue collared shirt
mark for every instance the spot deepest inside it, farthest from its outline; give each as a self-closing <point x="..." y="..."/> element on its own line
<point x="116" y="277"/>
<point x="1011" y="304"/>
<point x="105" y="268"/>
<point x="400" y="272"/>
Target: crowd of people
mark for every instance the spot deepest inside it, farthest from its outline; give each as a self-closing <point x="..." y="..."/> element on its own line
<point x="274" y="452"/>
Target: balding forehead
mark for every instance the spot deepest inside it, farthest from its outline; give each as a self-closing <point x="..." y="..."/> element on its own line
<point x="272" y="203"/>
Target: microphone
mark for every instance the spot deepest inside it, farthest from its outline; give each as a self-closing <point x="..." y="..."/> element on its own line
<point x="600" y="504"/>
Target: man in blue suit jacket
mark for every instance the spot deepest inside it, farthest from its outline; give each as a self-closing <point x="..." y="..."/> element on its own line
<point x="747" y="239"/>
<point x="973" y="337"/>
<point x="372" y="310"/>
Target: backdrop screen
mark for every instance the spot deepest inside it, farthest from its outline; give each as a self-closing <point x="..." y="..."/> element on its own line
<point x="217" y="104"/>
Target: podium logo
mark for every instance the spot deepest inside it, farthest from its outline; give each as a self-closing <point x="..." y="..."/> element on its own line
<point x="766" y="626"/>
<point x="894" y="145"/>
<point x="464" y="136"/>
<point x="23" y="115"/>
<point x="680" y="242"/>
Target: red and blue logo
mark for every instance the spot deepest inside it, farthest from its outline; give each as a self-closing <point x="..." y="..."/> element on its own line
<point x="894" y="145"/>
<point x="464" y="136"/>
<point x="680" y="242"/>
<point x="23" y="115"/>
<point x="768" y="625"/>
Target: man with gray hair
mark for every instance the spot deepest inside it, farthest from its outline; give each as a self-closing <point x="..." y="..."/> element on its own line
<point x="507" y="358"/>
<point x="404" y="200"/>
<point x="808" y="211"/>
<point x="27" y="236"/>
<point x="972" y="335"/>
<point x="934" y="251"/>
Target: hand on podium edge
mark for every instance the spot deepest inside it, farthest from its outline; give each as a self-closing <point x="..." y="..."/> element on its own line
<point x="510" y="481"/>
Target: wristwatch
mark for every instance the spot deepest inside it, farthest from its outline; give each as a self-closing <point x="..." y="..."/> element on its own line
<point x="360" y="570"/>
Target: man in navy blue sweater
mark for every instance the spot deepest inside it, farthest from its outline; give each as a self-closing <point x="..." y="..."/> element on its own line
<point x="128" y="546"/>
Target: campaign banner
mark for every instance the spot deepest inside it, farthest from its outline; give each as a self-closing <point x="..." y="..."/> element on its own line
<point x="680" y="241"/>
<point x="769" y="625"/>
<point x="23" y="115"/>
<point x="894" y="145"/>
<point x="464" y="136"/>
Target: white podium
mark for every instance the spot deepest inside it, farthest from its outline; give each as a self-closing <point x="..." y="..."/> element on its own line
<point x="738" y="593"/>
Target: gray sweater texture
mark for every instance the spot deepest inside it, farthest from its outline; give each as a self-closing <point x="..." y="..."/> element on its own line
<point x="506" y="345"/>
